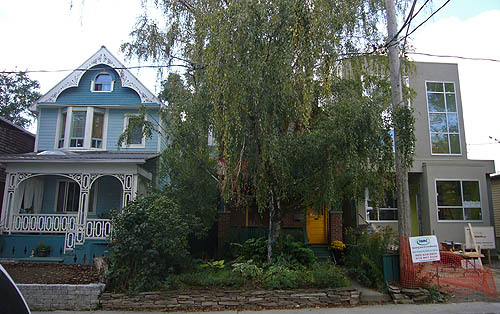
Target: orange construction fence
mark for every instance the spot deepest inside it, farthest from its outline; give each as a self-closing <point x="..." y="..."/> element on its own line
<point x="450" y="273"/>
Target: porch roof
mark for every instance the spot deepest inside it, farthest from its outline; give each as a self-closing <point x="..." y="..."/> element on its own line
<point x="61" y="156"/>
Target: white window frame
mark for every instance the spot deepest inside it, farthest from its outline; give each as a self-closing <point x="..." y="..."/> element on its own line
<point x="367" y="208"/>
<point x="446" y="105"/>
<point x="463" y="205"/>
<point x="87" y="141"/>
<point x="91" y="210"/>
<point x="92" y="84"/>
<point x="125" y="125"/>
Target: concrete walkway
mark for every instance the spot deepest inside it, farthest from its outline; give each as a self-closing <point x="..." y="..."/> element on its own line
<point x="368" y="295"/>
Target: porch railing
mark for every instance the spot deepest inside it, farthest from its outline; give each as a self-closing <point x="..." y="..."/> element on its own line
<point x="43" y="223"/>
<point x="98" y="229"/>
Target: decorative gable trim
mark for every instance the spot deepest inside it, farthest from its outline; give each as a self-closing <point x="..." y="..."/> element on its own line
<point x="102" y="56"/>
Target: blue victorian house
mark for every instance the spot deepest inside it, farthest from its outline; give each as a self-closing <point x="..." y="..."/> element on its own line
<point x="61" y="194"/>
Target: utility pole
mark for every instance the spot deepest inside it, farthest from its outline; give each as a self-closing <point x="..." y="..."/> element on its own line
<point x="402" y="190"/>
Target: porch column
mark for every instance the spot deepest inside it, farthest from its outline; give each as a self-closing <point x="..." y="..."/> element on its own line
<point x="8" y="200"/>
<point x="83" y="207"/>
<point x="129" y="184"/>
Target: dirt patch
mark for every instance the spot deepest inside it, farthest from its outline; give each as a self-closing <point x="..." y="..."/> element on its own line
<point x="51" y="273"/>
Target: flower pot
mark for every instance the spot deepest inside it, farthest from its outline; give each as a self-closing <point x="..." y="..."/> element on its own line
<point x="42" y="252"/>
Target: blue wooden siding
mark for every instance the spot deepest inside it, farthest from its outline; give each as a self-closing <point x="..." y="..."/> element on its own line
<point x="82" y="95"/>
<point x="47" y="118"/>
<point x="116" y="120"/>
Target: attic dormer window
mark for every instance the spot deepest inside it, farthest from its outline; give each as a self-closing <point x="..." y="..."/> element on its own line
<point x="103" y="83"/>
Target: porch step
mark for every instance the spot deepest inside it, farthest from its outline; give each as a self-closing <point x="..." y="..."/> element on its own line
<point x="321" y="252"/>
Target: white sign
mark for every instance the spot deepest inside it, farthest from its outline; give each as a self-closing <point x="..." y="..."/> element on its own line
<point x="485" y="237"/>
<point x="424" y="249"/>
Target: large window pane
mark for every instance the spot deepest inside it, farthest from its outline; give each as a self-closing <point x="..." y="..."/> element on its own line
<point x="452" y="123"/>
<point x="77" y="128"/>
<point x="455" y="143"/>
<point x="103" y="83"/>
<point x="449" y="87"/>
<point x="97" y="126"/>
<point x="136" y="130"/>
<point x="388" y="214"/>
<point x="471" y="193"/>
<point x="440" y="143"/>
<point x="434" y="87"/>
<point x="438" y="122"/>
<point x="62" y="130"/>
<point x="449" y="193"/>
<point x="372" y="214"/>
<point x="436" y="102"/>
<point x="473" y="214"/>
<point x="451" y="214"/>
<point x="451" y="103"/>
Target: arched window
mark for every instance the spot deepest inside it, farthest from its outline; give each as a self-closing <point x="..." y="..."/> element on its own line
<point x="103" y="83"/>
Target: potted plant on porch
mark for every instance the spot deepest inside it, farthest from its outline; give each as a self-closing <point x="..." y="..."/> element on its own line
<point x="42" y="250"/>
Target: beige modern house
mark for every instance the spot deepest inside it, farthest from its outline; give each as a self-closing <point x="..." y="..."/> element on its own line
<point x="447" y="190"/>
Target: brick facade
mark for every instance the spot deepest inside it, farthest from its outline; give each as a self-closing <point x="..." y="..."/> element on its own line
<point x="335" y="226"/>
<point x="13" y="140"/>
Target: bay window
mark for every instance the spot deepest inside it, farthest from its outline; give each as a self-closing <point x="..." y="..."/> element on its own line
<point x="81" y="128"/>
<point x="458" y="200"/>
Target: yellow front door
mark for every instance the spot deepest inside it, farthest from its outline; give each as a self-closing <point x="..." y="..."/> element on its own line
<point x="316" y="227"/>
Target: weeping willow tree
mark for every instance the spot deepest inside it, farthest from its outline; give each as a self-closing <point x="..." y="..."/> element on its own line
<point x="293" y="120"/>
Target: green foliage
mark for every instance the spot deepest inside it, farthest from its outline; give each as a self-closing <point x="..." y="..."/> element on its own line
<point x="248" y="269"/>
<point x="364" y="255"/>
<point x="207" y="278"/>
<point x="327" y="275"/>
<point x="214" y="264"/>
<point x="17" y="93"/>
<point x="189" y="161"/>
<point x="290" y="253"/>
<point x="268" y="78"/>
<point x="149" y="243"/>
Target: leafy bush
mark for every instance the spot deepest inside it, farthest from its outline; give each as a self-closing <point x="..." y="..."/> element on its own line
<point x="327" y="275"/>
<point x="251" y="249"/>
<point x="248" y="269"/>
<point x="364" y="255"/>
<point x="290" y="252"/>
<point x="149" y="242"/>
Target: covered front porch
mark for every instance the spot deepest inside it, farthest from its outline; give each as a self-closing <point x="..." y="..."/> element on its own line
<point x="67" y="205"/>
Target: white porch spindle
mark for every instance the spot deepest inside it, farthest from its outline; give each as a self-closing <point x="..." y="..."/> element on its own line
<point x="8" y="199"/>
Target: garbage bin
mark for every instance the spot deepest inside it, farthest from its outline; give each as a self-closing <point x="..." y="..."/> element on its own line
<point x="390" y="262"/>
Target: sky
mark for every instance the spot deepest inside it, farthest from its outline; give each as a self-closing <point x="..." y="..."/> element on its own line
<point x="62" y="34"/>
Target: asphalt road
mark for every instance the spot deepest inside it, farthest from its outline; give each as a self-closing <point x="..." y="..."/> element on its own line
<point x="461" y="308"/>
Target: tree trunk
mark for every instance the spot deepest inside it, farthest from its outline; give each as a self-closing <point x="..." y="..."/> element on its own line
<point x="275" y="221"/>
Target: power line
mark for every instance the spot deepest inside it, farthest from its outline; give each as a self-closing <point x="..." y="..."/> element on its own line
<point x="433" y="13"/>
<point x="453" y="56"/>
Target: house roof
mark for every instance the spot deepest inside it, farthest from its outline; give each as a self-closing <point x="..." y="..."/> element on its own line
<point x="102" y="56"/>
<point x="60" y="156"/>
<point x="15" y="126"/>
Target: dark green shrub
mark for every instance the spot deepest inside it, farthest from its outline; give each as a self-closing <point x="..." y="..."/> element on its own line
<point x="149" y="242"/>
<point x="327" y="275"/>
<point x="363" y="256"/>
<point x="289" y="252"/>
<point x="252" y="249"/>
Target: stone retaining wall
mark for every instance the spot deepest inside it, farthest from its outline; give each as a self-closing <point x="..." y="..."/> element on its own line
<point x="61" y="297"/>
<point x="230" y="299"/>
